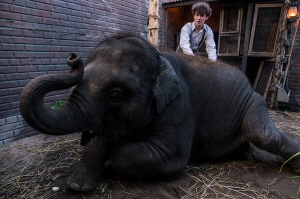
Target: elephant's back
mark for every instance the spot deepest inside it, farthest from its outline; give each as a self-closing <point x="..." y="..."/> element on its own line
<point x="219" y="95"/>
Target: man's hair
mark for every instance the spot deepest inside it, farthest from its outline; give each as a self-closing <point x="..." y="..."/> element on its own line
<point x="201" y="8"/>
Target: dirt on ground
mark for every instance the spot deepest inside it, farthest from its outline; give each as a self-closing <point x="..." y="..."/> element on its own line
<point x="31" y="167"/>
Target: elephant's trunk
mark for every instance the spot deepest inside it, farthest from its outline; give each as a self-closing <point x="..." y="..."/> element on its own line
<point x="59" y="121"/>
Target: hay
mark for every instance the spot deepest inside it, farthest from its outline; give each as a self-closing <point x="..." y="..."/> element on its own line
<point x="287" y="122"/>
<point x="36" y="181"/>
<point x="58" y="157"/>
<point x="207" y="183"/>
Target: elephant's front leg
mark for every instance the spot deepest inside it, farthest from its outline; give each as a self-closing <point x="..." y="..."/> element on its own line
<point x="88" y="173"/>
<point x="152" y="158"/>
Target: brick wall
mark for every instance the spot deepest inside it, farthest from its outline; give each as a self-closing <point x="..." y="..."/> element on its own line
<point x="37" y="36"/>
<point x="294" y="72"/>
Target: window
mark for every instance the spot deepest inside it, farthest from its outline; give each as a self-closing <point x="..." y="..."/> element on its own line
<point x="230" y="36"/>
<point x="264" y="31"/>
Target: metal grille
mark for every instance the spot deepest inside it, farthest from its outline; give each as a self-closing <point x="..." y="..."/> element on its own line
<point x="266" y="29"/>
<point x="263" y="77"/>
<point x="236" y="62"/>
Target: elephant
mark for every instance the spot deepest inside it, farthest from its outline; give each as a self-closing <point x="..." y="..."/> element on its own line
<point x="148" y="112"/>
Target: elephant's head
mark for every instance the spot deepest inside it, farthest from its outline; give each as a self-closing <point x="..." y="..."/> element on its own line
<point x="126" y="79"/>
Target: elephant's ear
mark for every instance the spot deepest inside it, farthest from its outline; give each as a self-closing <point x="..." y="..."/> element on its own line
<point x="167" y="85"/>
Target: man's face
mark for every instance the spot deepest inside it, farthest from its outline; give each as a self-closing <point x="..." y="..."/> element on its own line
<point x="200" y="19"/>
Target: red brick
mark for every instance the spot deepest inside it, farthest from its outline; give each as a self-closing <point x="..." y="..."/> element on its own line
<point x="14" y="91"/>
<point x="69" y="49"/>
<point x="10" y="112"/>
<point x="41" y="12"/>
<point x="6" y="55"/>
<point x="19" y="2"/>
<point x="69" y="36"/>
<point x="3" y="92"/>
<point x="2" y="77"/>
<point x="60" y="29"/>
<point x="45" y="61"/>
<point x="53" y="48"/>
<point x="46" y="68"/>
<point x="7" y="135"/>
<point x="14" y="62"/>
<point x="44" y="54"/>
<point x="19" y="9"/>
<point x="30" y="4"/>
<point x="24" y="54"/>
<point x="4" y="62"/>
<point x="84" y="49"/>
<point x="31" y="18"/>
<point x="67" y="23"/>
<point x="31" y="33"/>
<point x="62" y="67"/>
<point x="36" y="74"/>
<point x="23" y="40"/>
<point x="34" y="47"/>
<point x="60" y="42"/>
<point x="82" y="26"/>
<point x="4" y="7"/>
<point x="59" y="9"/>
<point x="8" y="84"/>
<point x="22" y="131"/>
<point x="10" y="127"/>
<point x="42" y="41"/>
<point x="10" y="15"/>
<point x="74" y="18"/>
<point x="10" y="98"/>
<point x="73" y="6"/>
<point x="26" y="61"/>
<point x="51" y="21"/>
<point x="58" y="3"/>
<point x="11" y="32"/>
<point x="14" y="105"/>
<point x="5" y="23"/>
<point x="81" y="2"/>
<point x="22" y="69"/>
<point x="42" y="27"/>
<point x="49" y="8"/>
<point x="51" y="35"/>
<point x="43" y="1"/>
<point x="12" y="47"/>
<point x="16" y="76"/>
<point x="22" y="83"/>
<point x="59" y="16"/>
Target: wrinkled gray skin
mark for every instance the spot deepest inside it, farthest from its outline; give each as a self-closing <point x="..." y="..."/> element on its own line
<point x="152" y="112"/>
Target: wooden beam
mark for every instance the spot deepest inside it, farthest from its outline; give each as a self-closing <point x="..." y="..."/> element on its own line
<point x="247" y="37"/>
<point x="186" y="3"/>
<point x="153" y="22"/>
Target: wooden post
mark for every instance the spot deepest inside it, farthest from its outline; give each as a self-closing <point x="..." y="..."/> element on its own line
<point x="280" y="53"/>
<point x="153" y="22"/>
<point x="277" y="91"/>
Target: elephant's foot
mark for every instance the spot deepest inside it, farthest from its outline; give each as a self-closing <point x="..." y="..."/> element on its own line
<point x="295" y="163"/>
<point x="85" y="178"/>
<point x="88" y="173"/>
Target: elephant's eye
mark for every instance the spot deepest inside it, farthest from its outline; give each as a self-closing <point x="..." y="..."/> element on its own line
<point x="116" y="95"/>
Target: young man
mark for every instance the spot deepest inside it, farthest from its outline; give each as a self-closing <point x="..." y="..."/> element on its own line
<point x="194" y="34"/>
